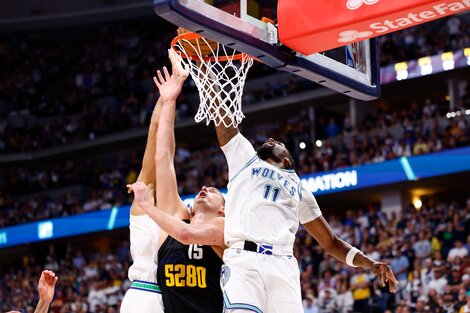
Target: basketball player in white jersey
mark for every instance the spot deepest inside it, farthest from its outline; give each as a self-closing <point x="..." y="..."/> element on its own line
<point x="144" y="295"/>
<point x="210" y="231"/>
<point x="190" y="253"/>
<point x="265" y="204"/>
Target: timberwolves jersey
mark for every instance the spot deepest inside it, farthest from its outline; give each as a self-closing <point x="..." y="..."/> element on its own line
<point x="264" y="203"/>
<point x="188" y="276"/>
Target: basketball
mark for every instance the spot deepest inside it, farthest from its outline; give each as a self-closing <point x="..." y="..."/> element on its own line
<point x="206" y="46"/>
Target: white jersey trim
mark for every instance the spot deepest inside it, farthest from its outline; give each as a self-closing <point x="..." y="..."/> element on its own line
<point x="252" y="160"/>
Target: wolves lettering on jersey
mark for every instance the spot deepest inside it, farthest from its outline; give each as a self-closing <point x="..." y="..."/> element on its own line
<point x="274" y="175"/>
<point x="264" y="203"/>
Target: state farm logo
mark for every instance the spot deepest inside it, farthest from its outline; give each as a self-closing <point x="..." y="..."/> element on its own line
<point x="352" y="35"/>
<point x="356" y="4"/>
<point x="408" y="19"/>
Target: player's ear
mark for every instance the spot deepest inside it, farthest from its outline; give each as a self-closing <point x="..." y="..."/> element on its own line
<point x="286" y="163"/>
<point x="222" y="212"/>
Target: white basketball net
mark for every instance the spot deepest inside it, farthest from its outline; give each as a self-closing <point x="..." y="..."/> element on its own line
<point x="219" y="82"/>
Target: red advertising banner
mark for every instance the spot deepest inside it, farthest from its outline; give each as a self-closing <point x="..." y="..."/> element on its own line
<point x="309" y="26"/>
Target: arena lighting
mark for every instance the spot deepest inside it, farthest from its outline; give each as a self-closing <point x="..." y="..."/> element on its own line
<point x="417" y="203"/>
<point x="427" y="65"/>
<point x="450" y="115"/>
<point x="318" y="143"/>
<point x="302" y="145"/>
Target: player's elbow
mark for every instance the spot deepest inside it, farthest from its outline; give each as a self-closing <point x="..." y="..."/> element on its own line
<point x="332" y="244"/>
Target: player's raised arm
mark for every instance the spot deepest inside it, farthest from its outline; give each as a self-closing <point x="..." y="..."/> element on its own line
<point x="148" y="172"/>
<point x="203" y="234"/>
<point x="170" y="87"/>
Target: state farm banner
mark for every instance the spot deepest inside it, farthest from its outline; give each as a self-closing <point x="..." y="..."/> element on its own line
<point x="311" y="26"/>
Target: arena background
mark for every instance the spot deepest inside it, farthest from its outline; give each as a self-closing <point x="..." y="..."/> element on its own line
<point x="76" y="93"/>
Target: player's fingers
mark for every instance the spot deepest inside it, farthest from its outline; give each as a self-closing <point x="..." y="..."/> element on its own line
<point x="160" y="77"/>
<point x="392" y="287"/>
<point x="171" y="55"/>
<point x="156" y="82"/>
<point x="186" y="68"/>
<point x="129" y="188"/>
<point x="167" y="74"/>
<point x="383" y="275"/>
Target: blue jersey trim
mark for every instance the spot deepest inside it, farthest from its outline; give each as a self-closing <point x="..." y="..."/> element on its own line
<point x="242" y="306"/>
<point x="252" y="160"/>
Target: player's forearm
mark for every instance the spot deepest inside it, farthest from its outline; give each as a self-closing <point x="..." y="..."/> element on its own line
<point x="225" y="134"/>
<point x="341" y="249"/>
<point x="147" y="174"/>
<point x="336" y="247"/>
<point x="166" y="133"/>
<point x="173" y="226"/>
<point x="42" y="307"/>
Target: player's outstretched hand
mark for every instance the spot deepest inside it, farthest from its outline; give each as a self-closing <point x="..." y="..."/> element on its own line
<point x="168" y="85"/>
<point x="46" y="286"/>
<point x="384" y="272"/>
<point x="141" y="196"/>
<point x="178" y="68"/>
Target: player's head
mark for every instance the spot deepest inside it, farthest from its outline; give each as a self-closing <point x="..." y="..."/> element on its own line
<point x="209" y="199"/>
<point x="276" y="153"/>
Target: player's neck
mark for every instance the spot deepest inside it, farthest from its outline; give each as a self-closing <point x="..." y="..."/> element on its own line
<point x="202" y="217"/>
<point x="277" y="165"/>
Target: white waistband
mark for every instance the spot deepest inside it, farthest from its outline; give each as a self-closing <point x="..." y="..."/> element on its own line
<point x="266" y="248"/>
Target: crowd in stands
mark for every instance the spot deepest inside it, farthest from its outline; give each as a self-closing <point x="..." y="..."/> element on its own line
<point x="428" y="250"/>
<point x="52" y="95"/>
<point x="448" y="34"/>
<point x="418" y="129"/>
<point x="93" y="282"/>
<point x="56" y="91"/>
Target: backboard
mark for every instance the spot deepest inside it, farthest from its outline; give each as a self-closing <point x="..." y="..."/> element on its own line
<point x="239" y="24"/>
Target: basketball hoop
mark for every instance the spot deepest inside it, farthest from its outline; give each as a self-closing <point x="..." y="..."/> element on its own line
<point x="219" y="73"/>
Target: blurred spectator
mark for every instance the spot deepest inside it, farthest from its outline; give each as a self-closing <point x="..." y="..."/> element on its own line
<point x="400" y="264"/>
<point x="360" y="285"/>
<point x="309" y="305"/>
<point x="457" y="251"/>
<point x="439" y="282"/>
<point x="327" y="301"/>
<point x="422" y="247"/>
